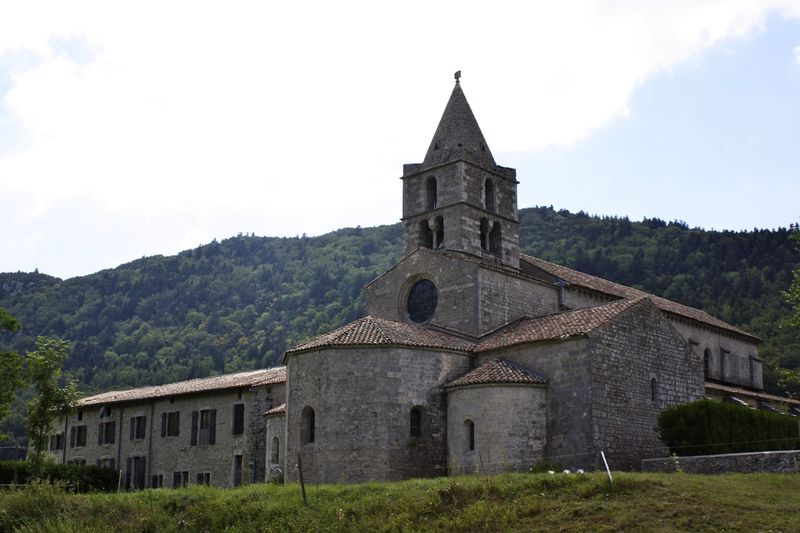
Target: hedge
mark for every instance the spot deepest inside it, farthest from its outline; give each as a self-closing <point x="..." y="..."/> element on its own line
<point x="78" y="478"/>
<point x="707" y="427"/>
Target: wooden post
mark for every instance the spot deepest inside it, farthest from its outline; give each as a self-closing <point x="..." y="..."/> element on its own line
<point x="608" y="470"/>
<point x="302" y="484"/>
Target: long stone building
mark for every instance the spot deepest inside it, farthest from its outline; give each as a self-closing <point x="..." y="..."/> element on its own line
<point x="471" y="357"/>
<point x="204" y="431"/>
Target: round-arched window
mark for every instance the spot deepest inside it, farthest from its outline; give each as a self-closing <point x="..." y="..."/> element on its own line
<point x="422" y="299"/>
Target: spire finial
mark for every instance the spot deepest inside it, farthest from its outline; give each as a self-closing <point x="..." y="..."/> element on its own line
<point x="458" y="76"/>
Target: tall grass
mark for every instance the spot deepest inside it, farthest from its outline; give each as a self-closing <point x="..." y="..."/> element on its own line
<point x="509" y="502"/>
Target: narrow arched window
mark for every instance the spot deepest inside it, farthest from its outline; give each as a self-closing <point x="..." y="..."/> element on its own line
<point x="276" y="452"/>
<point x="488" y="195"/>
<point x="484" y="235"/>
<point x="425" y="235"/>
<point x="653" y="390"/>
<point x="438" y="237"/>
<point x="308" y="426"/>
<point x="707" y="363"/>
<point x="496" y="239"/>
<point x="415" y="420"/>
<point x="431" y="194"/>
<point x="469" y="428"/>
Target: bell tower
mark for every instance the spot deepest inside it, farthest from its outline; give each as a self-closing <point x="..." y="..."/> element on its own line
<point x="458" y="198"/>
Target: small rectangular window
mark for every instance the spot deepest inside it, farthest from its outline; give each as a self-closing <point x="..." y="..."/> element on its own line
<point x="77" y="436"/>
<point x="237" y="470"/>
<point x="204" y="426"/>
<point x="106" y="432"/>
<point x="204" y="478"/>
<point x="238" y="419"/>
<point x="170" y="424"/>
<point x="138" y="427"/>
<point x="57" y="441"/>
<point x="105" y="411"/>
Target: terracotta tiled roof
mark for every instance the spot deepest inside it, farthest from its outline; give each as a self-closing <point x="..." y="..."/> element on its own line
<point x="621" y="291"/>
<point x="214" y="383"/>
<point x="371" y="331"/>
<point x="747" y="393"/>
<point x="497" y="371"/>
<point x="280" y="410"/>
<point x="552" y="327"/>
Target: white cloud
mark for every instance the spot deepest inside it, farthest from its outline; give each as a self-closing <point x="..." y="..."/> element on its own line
<point x="273" y="109"/>
<point x="796" y="52"/>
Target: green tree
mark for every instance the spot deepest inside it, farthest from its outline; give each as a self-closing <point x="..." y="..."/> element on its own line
<point x="51" y="399"/>
<point x="793" y="294"/>
<point x="10" y="369"/>
<point x="789" y="379"/>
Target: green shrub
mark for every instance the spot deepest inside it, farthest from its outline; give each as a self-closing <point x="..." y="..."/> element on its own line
<point x="707" y="427"/>
<point x="77" y="478"/>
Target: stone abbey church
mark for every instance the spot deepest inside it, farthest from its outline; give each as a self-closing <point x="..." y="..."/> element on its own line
<point x="470" y="357"/>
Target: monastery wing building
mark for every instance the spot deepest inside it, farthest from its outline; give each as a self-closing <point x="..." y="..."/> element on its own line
<point x="471" y="357"/>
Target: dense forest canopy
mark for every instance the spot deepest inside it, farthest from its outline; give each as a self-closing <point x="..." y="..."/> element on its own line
<point x="240" y="303"/>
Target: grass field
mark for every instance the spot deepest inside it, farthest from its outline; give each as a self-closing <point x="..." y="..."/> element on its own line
<point x="510" y="502"/>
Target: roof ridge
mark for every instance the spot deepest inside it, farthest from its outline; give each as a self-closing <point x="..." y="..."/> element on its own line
<point x="244" y="378"/>
<point x="618" y="290"/>
<point x="495" y="371"/>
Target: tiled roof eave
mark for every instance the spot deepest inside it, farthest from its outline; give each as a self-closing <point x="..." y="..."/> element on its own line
<point x="734" y="332"/>
<point x="581" y="280"/>
<point x="159" y="395"/>
<point x="432" y="348"/>
<point x="562" y="338"/>
<point x="277" y="411"/>
<point x="448" y="388"/>
<point x="747" y="393"/>
<point x="192" y="387"/>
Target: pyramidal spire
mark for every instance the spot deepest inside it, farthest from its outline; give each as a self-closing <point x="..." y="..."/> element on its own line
<point x="458" y="135"/>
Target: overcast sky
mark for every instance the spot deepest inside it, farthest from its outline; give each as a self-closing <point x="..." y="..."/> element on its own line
<point x="152" y="127"/>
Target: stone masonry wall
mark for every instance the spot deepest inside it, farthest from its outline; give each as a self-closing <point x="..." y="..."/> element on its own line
<point x="729" y="356"/>
<point x="472" y="299"/>
<point x="509" y="427"/>
<point x="264" y="399"/>
<point x="362" y="400"/>
<point x="566" y="365"/>
<point x="455" y="280"/>
<point x="275" y="429"/>
<point x="639" y="346"/>
<point x="505" y="298"/>
<point x="779" y="461"/>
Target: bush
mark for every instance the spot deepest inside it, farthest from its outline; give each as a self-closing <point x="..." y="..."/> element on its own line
<point x="707" y="427"/>
<point x="77" y="478"/>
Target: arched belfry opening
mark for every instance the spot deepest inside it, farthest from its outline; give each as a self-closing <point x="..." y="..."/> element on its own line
<point x="488" y="195"/>
<point x="496" y="239"/>
<point x="484" y="234"/>
<point x="438" y="232"/>
<point x="425" y="235"/>
<point x="431" y="194"/>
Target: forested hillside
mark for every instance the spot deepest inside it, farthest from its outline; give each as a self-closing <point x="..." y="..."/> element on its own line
<point x="239" y="303"/>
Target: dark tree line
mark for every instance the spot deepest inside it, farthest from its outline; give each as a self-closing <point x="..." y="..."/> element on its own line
<point x="240" y="303"/>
